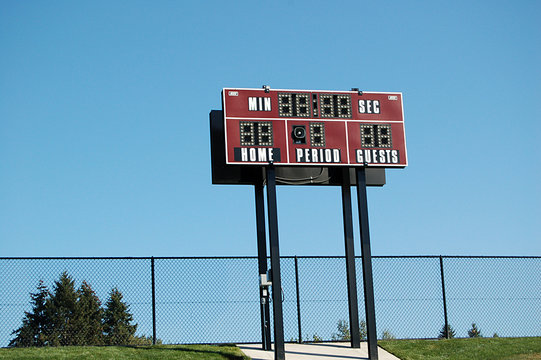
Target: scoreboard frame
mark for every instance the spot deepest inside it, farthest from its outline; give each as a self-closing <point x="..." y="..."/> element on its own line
<point x="314" y="128"/>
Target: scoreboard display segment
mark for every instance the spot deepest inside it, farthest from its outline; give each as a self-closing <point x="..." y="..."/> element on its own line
<point x="314" y="128"/>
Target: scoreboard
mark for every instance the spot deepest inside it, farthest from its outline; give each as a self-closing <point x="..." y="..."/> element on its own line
<point x="314" y="128"/>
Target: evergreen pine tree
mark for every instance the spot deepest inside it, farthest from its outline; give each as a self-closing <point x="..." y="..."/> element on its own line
<point x="474" y="331"/>
<point x="88" y="320"/>
<point x="117" y="320"/>
<point x="61" y="310"/>
<point x="447" y="332"/>
<point x="31" y="331"/>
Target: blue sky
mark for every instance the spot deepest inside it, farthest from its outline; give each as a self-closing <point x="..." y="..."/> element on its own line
<point x="104" y="130"/>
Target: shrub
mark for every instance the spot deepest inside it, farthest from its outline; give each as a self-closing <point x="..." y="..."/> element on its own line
<point x="474" y="331"/>
<point x="344" y="334"/>
<point x="447" y="332"/>
<point x="387" y="335"/>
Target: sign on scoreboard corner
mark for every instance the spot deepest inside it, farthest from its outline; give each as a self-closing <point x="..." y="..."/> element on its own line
<point x="314" y="128"/>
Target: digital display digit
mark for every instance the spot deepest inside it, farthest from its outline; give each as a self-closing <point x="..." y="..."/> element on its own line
<point x="343" y="106"/>
<point x="294" y="105"/>
<point x="285" y="103"/>
<point x="385" y="139"/>
<point x="256" y="133"/>
<point x="376" y="136"/>
<point x="326" y="105"/>
<point x="317" y="134"/>
<point x="302" y="102"/>
<point x="264" y="133"/>
<point x="247" y="133"/>
<point x="335" y="106"/>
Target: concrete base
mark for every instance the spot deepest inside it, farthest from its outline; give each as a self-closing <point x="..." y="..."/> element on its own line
<point x="316" y="351"/>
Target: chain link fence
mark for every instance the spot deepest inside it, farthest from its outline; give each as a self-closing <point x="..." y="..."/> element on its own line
<point x="216" y="300"/>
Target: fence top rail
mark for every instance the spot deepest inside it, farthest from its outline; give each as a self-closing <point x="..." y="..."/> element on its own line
<point x="458" y="256"/>
<point x="126" y="257"/>
<point x="255" y="257"/>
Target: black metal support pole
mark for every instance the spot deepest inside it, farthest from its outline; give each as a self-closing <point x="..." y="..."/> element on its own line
<point x="262" y="265"/>
<point x="298" y="299"/>
<point x="446" y="323"/>
<point x="369" y="303"/>
<point x="268" y="340"/>
<point x="279" y="348"/>
<point x="153" y="273"/>
<point x="350" y="261"/>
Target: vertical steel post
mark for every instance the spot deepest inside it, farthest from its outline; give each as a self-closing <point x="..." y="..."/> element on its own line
<point x="350" y="261"/>
<point x="262" y="264"/>
<point x="368" y="282"/>
<point x="279" y="348"/>
<point x="298" y="299"/>
<point x="445" y="323"/>
<point x="152" y="274"/>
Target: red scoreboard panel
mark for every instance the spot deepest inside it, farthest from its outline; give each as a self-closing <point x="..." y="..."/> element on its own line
<point x="314" y="128"/>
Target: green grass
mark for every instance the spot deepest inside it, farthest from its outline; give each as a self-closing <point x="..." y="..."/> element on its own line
<point x="466" y="349"/>
<point x="158" y="352"/>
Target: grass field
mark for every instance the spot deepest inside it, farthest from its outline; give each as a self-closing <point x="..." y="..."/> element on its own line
<point x="158" y="352"/>
<point x="466" y="349"/>
<point x="454" y="349"/>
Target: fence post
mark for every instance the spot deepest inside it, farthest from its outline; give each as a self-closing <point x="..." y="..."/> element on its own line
<point x="298" y="299"/>
<point x="446" y="323"/>
<point x="152" y="274"/>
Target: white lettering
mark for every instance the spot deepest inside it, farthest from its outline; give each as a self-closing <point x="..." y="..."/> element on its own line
<point x="336" y="154"/>
<point x="262" y="154"/>
<point x="374" y="156"/>
<point x="367" y="156"/>
<point x="377" y="156"/>
<point x="259" y="103"/>
<point x="362" y="109"/>
<point x="369" y="107"/>
<point x="314" y="155"/>
<point x="376" y="107"/>
<point x="394" y="156"/>
<point x="360" y="158"/>
<point x="328" y="155"/>
<point x="319" y="155"/>
<point x="252" y="104"/>
<point x="257" y="154"/>
<point x="299" y="155"/>
<point x="267" y="104"/>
